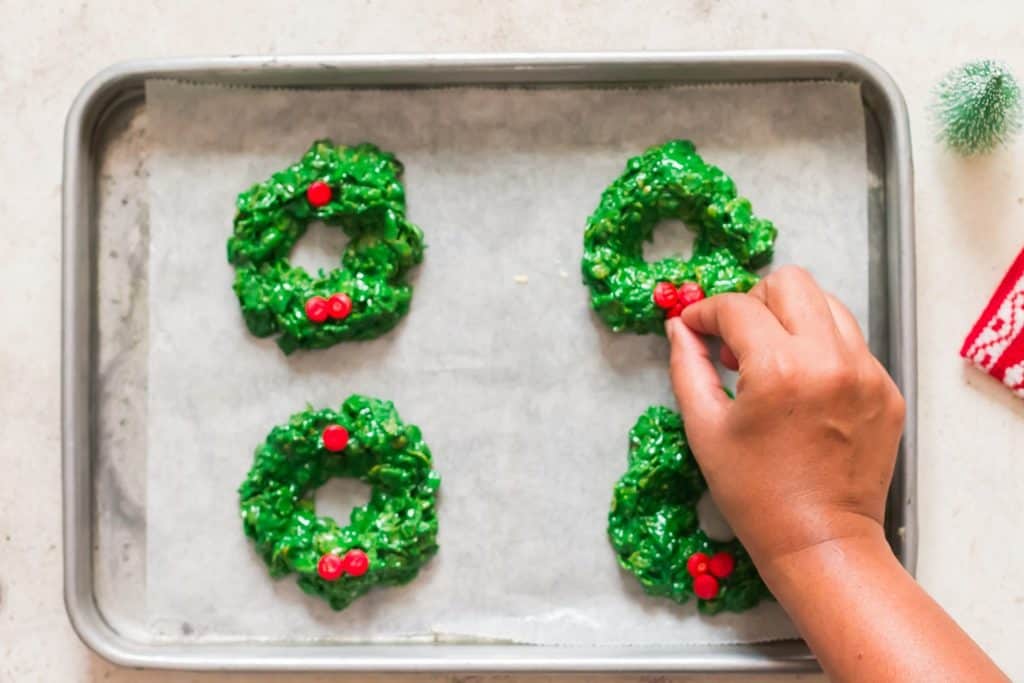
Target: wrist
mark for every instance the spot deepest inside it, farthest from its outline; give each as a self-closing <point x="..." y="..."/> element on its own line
<point x="865" y="618"/>
<point x="788" y="574"/>
<point x="821" y="535"/>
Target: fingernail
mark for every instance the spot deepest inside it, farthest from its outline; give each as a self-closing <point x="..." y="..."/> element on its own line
<point x="671" y="328"/>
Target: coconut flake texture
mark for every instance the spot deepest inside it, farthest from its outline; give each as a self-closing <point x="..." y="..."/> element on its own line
<point x="978" y="107"/>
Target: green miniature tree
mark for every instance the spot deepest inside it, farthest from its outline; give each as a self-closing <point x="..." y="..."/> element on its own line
<point x="978" y="106"/>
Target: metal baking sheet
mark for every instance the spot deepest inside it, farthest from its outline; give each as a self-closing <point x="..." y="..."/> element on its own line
<point x="103" y="335"/>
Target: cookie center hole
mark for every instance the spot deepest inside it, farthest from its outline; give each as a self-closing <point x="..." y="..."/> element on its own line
<point x="338" y="497"/>
<point x="712" y="522"/>
<point x="320" y="248"/>
<point x="671" y="238"/>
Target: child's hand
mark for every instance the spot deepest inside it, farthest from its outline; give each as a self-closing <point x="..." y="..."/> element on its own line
<point x="804" y="454"/>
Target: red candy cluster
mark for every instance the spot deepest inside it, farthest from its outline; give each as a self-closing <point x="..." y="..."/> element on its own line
<point x="319" y="309"/>
<point x="674" y="299"/>
<point x="331" y="567"/>
<point x="335" y="438"/>
<point x="707" y="570"/>
<point x="318" y="193"/>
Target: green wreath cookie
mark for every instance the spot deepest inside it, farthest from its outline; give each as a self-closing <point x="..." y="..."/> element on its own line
<point x="665" y="182"/>
<point x="355" y="188"/>
<point x="386" y="541"/>
<point x="654" y="529"/>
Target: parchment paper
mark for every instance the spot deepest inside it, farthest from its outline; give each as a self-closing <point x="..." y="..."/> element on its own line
<point x="524" y="397"/>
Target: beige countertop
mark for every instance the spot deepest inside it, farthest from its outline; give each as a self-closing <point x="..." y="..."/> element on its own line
<point x="970" y="223"/>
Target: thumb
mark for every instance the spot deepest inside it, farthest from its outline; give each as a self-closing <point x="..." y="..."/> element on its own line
<point x="696" y="384"/>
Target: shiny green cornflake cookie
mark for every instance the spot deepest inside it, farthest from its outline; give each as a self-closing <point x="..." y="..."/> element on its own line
<point x="386" y="541"/>
<point x="669" y="181"/>
<point x="357" y="189"/>
<point x="655" y="531"/>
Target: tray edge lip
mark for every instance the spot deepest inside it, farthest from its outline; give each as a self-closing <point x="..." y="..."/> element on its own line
<point x="135" y="71"/>
<point x="903" y="332"/>
<point x="101" y="90"/>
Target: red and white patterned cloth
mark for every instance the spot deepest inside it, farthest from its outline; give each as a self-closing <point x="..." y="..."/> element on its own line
<point x="996" y="342"/>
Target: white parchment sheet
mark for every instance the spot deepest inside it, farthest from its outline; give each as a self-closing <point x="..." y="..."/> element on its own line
<point x="523" y="396"/>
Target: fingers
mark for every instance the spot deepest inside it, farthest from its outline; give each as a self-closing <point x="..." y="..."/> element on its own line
<point x="793" y="296"/>
<point x="787" y="302"/>
<point x="743" y="322"/>
<point x="697" y="387"/>
<point x="847" y="325"/>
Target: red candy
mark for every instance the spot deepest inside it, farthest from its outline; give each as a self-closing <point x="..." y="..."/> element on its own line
<point x="339" y="306"/>
<point x="697" y="564"/>
<point x="705" y="587"/>
<point x="690" y="293"/>
<point x="316" y="309"/>
<point x="355" y="562"/>
<point x="665" y="295"/>
<point x="721" y="564"/>
<point x="335" y="438"/>
<point x="318" y="193"/>
<point x="673" y="300"/>
<point x="329" y="567"/>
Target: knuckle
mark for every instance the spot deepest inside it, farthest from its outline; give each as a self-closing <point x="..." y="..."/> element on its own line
<point x="880" y="390"/>
<point x="779" y="371"/>
<point x="840" y="377"/>
<point x="896" y="405"/>
<point x="876" y="382"/>
<point x="730" y="307"/>
<point x="792" y="273"/>
<point x="833" y="373"/>
<point x="729" y="302"/>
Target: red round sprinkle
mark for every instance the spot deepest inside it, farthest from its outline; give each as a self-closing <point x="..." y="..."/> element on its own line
<point x="705" y="587"/>
<point x="318" y="193"/>
<point x="665" y="295"/>
<point x="339" y="306"/>
<point x="674" y="311"/>
<point x="329" y="567"/>
<point x="697" y="564"/>
<point x="721" y="564"/>
<point x="690" y="293"/>
<point x="316" y="309"/>
<point x="355" y="562"/>
<point x="335" y="438"/>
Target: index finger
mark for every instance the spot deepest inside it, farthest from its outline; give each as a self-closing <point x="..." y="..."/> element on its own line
<point x="794" y="297"/>
<point x="743" y="322"/>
